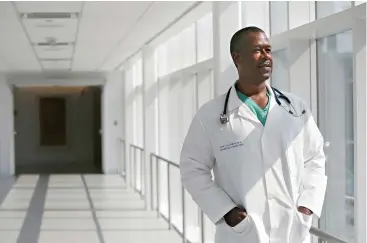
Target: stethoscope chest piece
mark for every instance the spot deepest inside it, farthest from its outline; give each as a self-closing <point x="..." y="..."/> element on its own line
<point x="224" y="118"/>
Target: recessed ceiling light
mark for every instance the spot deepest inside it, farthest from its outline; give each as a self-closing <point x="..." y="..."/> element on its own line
<point x="54" y="44"/>
<point x="52" y="15"/>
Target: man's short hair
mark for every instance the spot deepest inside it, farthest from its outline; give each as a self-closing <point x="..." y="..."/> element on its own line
<point x="235" y="45"/>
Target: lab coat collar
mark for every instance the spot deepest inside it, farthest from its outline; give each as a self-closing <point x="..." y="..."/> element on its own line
<point x="272" y="97"/>
<point x="235" y="102"/>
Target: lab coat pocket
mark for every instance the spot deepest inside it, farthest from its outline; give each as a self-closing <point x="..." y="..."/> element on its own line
<point x="301" y="227"/>
<point x="245" y="231"/>
<point x="242" y="226"/>
<point x="305" y="219"/>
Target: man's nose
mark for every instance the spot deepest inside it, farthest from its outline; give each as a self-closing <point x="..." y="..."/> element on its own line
<point x="265" y="54"/>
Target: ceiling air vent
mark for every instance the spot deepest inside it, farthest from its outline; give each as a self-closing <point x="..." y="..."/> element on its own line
<point x="53" y="44"/>
<point x="51" y="41"/>
<point x="50" y="25"/>
<point x="56" y="59"/>
<point x="45" y="15"/>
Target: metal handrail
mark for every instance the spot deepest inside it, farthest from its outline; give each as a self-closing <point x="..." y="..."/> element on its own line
<point x="133" y="174"/>
<point x="322" y="235"/>
<point x="123" y="145"/>
<point x="169" y="163"/>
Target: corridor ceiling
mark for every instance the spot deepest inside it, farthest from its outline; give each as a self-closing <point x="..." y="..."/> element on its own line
<point x="78" y="36"/>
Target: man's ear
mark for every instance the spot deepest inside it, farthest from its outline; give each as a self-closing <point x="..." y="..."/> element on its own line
<point x="236" y="58"/>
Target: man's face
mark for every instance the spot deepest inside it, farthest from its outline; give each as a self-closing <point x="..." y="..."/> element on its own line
<point x="254" y="60"/>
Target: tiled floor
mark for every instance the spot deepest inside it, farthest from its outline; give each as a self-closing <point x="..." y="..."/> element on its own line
<point x="77" y="208"/>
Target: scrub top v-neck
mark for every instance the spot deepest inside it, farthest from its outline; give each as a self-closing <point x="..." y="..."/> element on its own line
<point x="259" y="112"/>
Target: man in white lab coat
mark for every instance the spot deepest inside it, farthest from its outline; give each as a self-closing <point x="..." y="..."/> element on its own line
<point x="267" y="159"/>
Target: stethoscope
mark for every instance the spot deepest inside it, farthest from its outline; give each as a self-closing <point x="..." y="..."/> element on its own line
<point x="278" y="95"/>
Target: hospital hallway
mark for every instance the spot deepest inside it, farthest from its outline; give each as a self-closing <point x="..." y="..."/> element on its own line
<point x="97" y="99"/>
<point x="76" y="208"/>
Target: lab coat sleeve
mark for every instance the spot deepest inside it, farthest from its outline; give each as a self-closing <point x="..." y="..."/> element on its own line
<point x="196" y="162"/>
<point x="314" y="180"/>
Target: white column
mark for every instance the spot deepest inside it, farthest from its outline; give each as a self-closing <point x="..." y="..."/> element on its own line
<point x="226" y="21"/>
<point x="150" y="96"/>
<point x="129" y="121"/>
<point x="7" y="162"/>
<point x="360" y="133"/>
<point x="112" y="125"/>
<point x="122" y="142"/>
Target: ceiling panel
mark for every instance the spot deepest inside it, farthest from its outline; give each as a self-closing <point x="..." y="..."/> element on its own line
<point x="32" y="7"/>
<point x="159" y="16"/>
<point x="56" y="65"/>
<point x="108" y="32"/>
<point x="103" y="25"/>
<point x="14" y="45"/>
<point x="59" y="52"/>
<point x="39" y="30"/>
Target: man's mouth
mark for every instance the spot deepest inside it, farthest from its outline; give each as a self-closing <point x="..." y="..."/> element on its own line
<point x="265" y="64"/>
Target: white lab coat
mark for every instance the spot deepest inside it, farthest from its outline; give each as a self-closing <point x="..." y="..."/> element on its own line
<point x="268" y="170"/>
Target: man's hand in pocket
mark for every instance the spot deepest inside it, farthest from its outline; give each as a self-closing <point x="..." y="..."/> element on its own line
<point x="235" y="216"/>
<point x="305" y="211"/>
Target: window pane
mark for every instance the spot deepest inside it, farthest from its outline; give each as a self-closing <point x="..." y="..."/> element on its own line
<point x="163" y="107"/>
<point x="205" y="37"/>
<point x="205" y="87"/>
<point x="161" y="59"/>
<point x="324" y="9"/>
<point x="278" y="17"/>
<point x="175" y="119"/>
<point x="335" y="70"/>
<point x="174" y="57"/>
<point x="256" y="13"/>
<point x="280" y="76"/>
<point x="299" y="13"/>
<point x="188" y="105"/>
<point x="137" y="80"/>
<point x="187" y="47"/>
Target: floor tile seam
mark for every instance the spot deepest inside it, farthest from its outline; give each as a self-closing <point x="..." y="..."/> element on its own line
<point x="98" y="226"/>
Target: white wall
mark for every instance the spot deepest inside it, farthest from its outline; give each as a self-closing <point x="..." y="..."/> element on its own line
<point x="6" y="129"/>
<point x="79" y="108"/>
<point x="112" y="122"/>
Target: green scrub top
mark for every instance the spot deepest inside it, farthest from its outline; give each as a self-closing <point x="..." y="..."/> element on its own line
<point x="260" y="113"/>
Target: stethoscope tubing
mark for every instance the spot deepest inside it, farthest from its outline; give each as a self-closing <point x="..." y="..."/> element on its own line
<point x="277" y="94"/>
